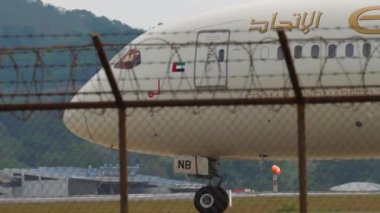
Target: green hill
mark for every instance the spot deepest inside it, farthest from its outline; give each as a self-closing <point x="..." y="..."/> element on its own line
<point x="30" y="139"/>
<point x="22" y="16"/>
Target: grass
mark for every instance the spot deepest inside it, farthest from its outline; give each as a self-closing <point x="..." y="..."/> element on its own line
<point x="322" y="204"/>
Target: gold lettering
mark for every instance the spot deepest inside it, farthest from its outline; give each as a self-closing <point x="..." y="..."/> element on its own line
<point x="306" y="27"/>
<point x="298" y="20"/>
<point x="261" y="26"/>
<point x="273" y="21"/>
<point x="301" y="22"/>
<point x="318" y="19"/>
<point x="358" y="16"/>
<point x="286" y="25"/>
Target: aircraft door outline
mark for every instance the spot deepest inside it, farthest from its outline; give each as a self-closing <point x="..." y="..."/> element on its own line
<point x="211" y="59"/>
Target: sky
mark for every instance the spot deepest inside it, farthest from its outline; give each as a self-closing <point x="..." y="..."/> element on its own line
<point x="144" y="14"/>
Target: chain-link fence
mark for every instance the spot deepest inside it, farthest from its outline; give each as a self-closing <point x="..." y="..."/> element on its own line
<point x="65" y="127"/>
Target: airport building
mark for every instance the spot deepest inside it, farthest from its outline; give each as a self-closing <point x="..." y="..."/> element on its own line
<point x="71" y="181"/>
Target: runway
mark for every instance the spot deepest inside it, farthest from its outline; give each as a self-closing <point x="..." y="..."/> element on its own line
<point x="176" y="196"/>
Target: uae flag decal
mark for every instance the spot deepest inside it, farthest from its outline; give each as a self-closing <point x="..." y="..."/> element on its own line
<point x="178" y="67"/>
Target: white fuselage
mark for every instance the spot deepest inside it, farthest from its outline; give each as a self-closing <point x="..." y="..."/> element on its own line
<point x="234" y="53"/>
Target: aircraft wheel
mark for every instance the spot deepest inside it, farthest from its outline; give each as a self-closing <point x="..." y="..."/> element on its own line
<point x="210" y="199"/>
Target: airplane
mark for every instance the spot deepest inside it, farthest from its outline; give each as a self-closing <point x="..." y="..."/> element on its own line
<point x="234" y="53"/>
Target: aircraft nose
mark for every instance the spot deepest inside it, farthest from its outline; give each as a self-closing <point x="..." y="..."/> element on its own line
<point x="75" y="120"/>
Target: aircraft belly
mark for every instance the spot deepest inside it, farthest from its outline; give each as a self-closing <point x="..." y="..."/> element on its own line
<point x="241" y="132"/>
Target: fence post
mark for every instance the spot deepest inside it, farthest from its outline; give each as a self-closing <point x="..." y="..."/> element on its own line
<point x="123" y="158"/>
<point x="301" y="127"/>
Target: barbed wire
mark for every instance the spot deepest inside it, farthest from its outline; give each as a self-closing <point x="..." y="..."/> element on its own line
<point x="28" y="66"/>
<point x="267" y="41"/>
<point x="160" y="32"/>
<point x="337" y="28"/>
<point x="59" y="49"/>
<point x="66" y="35"/>
<point x="38" y="77"/>
<point x="161" y="45"/>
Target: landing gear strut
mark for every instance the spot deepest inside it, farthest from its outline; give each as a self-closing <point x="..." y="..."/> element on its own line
<point x="212" y="198"/>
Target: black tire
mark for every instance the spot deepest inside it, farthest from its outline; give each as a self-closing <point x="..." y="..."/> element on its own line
<point x="224" y="198"/>
<point x="211" y="200"/>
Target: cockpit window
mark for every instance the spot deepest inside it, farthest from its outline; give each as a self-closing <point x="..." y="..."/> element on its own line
<point x="129" y="60"/>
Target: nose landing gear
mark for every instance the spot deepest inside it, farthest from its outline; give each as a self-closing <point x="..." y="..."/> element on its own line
<point x="212" y="198"/>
